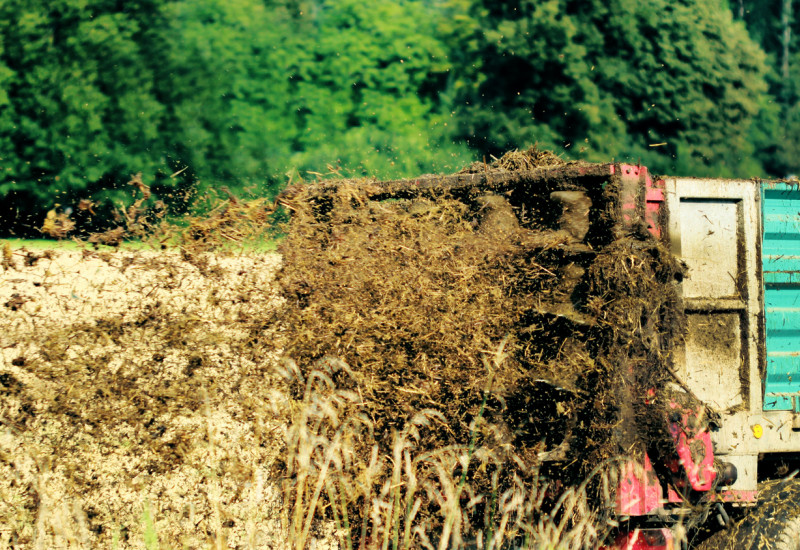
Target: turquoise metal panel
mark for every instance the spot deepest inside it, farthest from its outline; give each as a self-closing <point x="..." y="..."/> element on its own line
<point x="780" y="250"/>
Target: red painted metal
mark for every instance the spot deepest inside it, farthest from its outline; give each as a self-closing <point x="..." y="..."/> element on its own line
<point x="630" y="189"/>
<point x="634" y="206"/>
<point x="644" y="539"/>
<point x="695" y="450"/>
<point x="639" y="492"/>
<point x="654" y="200"/>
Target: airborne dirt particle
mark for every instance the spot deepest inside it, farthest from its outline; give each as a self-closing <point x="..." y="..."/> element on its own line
<point x="414" y="285"/>
<point x="16" y="301"/>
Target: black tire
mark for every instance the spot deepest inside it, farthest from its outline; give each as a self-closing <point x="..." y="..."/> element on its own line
<point x="773" y="525"/>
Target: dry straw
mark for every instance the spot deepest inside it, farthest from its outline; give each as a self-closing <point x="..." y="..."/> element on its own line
<point x="414" y="497"/>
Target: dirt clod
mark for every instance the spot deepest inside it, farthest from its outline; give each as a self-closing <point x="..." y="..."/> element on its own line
<point x="16" y="301"/>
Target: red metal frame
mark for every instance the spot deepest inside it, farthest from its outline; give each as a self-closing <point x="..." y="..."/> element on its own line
<point x="692" y="469"/>
<point x="634" y="180"/>
<point x="639" y="492"/>
<point x="644" y="539"/>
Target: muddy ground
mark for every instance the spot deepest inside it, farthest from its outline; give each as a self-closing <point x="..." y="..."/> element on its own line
<point x="136" y="400"/>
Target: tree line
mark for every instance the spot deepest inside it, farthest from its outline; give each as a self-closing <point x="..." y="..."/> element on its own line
<point x="252" y="94"/>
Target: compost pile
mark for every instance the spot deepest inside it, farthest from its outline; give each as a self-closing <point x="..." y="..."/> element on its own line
<point x="416" y="285"/>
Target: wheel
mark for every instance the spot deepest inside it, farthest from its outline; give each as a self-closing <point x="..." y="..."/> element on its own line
<point x="773" y="525"/>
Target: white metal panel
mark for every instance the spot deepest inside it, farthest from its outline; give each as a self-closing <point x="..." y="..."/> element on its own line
<point x="749" y="432"/>
<point x="714" y="228"/>
<point x="709" y="231"/>
<point x="713" y="342"/>
<point x="747" y="470"/>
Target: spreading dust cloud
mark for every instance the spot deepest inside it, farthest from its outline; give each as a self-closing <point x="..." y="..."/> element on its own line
<point x="416" y="285"/>
<point x="420" y="351"/>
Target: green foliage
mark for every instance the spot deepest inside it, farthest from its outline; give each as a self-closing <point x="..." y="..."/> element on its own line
<point x="150" y="535"/>
<point x="243" y="93"/>
<point x="259" y="91"/>
<point x="365" y="90"/>
<point x="701" y="80"/>
<point x="603" y="80"/>
<point x="768" y="22"/>
<point x="215" y="92"/>
<point x="76" y="101"/>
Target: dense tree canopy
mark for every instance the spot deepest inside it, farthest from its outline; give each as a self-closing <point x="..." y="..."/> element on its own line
<point x="776" y="26"/>
<point x="250" y="93"/>
<point x="678" y="85"/>
<point x="78" y="99"/>
<point x="214" y="92"/>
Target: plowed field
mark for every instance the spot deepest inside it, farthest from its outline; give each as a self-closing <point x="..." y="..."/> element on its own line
<point x="136" y="400"/>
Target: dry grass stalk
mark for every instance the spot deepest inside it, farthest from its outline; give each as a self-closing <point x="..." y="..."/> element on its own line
<point x="415" y="497"/>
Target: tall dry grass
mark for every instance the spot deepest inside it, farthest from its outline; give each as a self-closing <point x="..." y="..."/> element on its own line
<point x="412" y="497"/>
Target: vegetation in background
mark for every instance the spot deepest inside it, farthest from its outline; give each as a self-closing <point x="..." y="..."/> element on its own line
<point x="675" y="85"/>
<point x="254" y="93"/>
<point x="195" y="93"/>
<point x="775" y="25"/>
<point x="81" y="101"/>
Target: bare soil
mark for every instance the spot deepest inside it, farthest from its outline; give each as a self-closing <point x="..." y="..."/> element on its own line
<point x="136" y="400"/>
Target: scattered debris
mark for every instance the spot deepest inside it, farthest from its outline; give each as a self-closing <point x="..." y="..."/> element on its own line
<point x="413" y="284"/>
<point x="16" y="301"/>
<point x="57" y="224"/>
